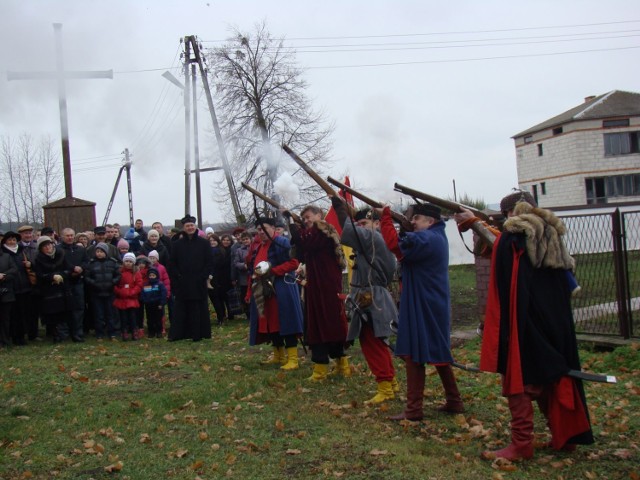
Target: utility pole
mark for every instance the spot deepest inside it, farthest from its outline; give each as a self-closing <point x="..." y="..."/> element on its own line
<point x="187" y="127"/>
<point x="223" y="155"/>
<point x="196" y="147"/>
<point x="127" y="161"/>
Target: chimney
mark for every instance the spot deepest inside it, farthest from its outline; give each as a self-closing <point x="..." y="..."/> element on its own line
<point x="589" y="98"/>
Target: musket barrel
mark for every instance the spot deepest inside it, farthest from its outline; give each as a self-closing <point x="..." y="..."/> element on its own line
<point x="310" y="171"/>
<point x="447" y="204"/>
<point x="269" y="200"/>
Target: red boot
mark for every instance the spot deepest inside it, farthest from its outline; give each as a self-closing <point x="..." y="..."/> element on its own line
<point x="521" y="431"/>
<point x="452" y="394"/>
<point x="415" y="393"/>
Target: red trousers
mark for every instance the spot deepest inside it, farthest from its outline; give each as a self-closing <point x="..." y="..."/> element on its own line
<point x="377" y="354"/>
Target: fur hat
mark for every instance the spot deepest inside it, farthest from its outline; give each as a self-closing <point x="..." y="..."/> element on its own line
<point x="188" y="219"/>
<point x="509" y="202"/>
<point x="427" y="209"/>
<point x="42" y="240"/>
<point x="103" y="246"/>
<point x="141" y="259"/>
<point x="366" y="213"/>
<point x="129" y="256"/>
<point x="46" y="231"/>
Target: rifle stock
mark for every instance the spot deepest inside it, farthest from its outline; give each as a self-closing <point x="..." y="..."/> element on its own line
<point x="270" y="201"/>
<point x="442" y="203"/>
<point x="398" y="217"/>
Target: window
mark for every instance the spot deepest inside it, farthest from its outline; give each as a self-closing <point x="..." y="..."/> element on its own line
<point x="615" y="123"/>
<point x="543" y="188"/>
<point x="557" y="130"/>
<point x="539" y="149"/>
<point x="534" y="191"/>
<point x="622" y="143"/>
<point x="602" y="188"/>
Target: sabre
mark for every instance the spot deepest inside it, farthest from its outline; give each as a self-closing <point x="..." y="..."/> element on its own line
<point x="578" y="374"/>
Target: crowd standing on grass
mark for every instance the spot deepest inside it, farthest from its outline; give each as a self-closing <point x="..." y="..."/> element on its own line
<point x="289" y="276"/>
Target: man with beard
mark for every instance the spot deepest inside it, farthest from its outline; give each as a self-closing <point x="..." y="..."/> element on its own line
<point x="189" y="266"/>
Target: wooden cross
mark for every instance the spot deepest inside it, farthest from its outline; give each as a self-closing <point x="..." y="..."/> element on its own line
<point x="60" y="75"/>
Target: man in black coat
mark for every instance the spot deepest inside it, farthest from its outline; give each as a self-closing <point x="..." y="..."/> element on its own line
<point x="76" y="256"/>
<point x="189" y="266"/>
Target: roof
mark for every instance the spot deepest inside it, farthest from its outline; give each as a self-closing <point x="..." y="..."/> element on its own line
<point x="69" y="202"/>
<point x="616" y="103"/>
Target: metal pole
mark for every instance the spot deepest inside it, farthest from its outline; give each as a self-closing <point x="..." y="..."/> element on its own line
<point x="62" y="102"/>
<point x="187" y="127"/>
<point x="196" y="148"/>
<point x="216" y="128"/>
<point x="128" y="166"/>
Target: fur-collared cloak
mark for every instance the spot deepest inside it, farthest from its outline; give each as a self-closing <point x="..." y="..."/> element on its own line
<point x="529" y="334"/>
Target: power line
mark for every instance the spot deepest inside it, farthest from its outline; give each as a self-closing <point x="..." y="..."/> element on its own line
<point x="399" y="35"/>
<point x="460" y="60"/>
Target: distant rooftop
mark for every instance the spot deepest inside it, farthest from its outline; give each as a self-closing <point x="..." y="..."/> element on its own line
<point x="616" y="103"/>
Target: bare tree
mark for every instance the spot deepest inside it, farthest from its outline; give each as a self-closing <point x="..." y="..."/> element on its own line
<point x="30" y="178"/>
<point x="261" y="101"/>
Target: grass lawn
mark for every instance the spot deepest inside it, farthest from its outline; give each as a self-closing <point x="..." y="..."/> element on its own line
<point x="155" y="410"/>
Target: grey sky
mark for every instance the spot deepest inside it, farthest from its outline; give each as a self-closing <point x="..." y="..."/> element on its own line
<point x="444" y="111"/>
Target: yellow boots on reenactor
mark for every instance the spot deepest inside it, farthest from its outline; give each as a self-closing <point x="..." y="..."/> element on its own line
<point x="341" y="367"/>
<point x="278" y="357"/>
<point x="292" y="359"/>
<point x="385" y="392"/>
<point x="320" y="372"/>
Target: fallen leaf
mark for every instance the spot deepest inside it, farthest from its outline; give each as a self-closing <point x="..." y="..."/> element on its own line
<point x="181" y="452"/>
<point x="67" y="389"/>
<point x="114" y="467"/>
<point x="293" y="451"/>
<point x="145" y="438"/>
<point x="203" y="436"/>
<point x="196" y="465"/>
<point x="230" y="459"/>
<point x="279" y="425"/>
<point x="375" y="452"/>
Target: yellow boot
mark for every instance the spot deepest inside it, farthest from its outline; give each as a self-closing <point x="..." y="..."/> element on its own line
<point x="385" y="392"/>
<point x="292" y="359"/>
<point x="341" y="366"/>
<point x="395" y="385"/>
<point x="320" y="371"/>
<point x="278" y="357"/>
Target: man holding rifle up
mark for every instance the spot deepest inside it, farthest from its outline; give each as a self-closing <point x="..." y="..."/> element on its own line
<point x="424" y="324"/>
<point x="373" y="307"/>
<point x="529" y="334"/>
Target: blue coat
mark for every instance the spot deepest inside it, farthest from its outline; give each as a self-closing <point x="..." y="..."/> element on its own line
<point x="424" y="324"/>
<point x="287" y="294"/>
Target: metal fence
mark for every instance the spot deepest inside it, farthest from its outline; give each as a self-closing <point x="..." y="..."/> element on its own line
<point x="607" y="252"/>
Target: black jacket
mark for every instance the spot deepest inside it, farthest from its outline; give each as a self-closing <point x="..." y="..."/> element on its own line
<point x="56" y="298"/>
<point x="189" y="266"/>
<point x="102" y="275"/>
<point x="76" y="255"/>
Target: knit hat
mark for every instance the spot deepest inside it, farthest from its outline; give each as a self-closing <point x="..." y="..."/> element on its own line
<point x="131" y="234"/>
<point x="154" y="271"/>
<point x="208" y="230"/>
<point x="129" y="256"/>
<point x="154" y="253"/>
<point x="122" y="243"/>
<point x="153" y="233"/>
<point x="103" y="246"/>
<point x="43" y="239"/>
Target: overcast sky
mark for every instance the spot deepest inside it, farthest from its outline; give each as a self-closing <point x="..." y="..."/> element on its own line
<point x="437" y="99"/>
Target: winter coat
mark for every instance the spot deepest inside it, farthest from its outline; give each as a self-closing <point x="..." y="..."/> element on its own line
<point x="154" y="293"/>
<point x="164" y="277"/>
<point x="221" y="271"/>
<point x="163" y="252"/>
<point x="56" y="298"/>
<point x="21" y="279"/>
<point x="8" y="267"/>
<point x="128" y="289"/>
<point x="189" y="266"/>
<point x="239" y="265"/>
<point x="76" y="255"/>
<point x="113" y="252"/>
<point x="101" y="276"/>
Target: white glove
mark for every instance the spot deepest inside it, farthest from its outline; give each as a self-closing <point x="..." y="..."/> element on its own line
<point x="57" y="279"/>
<point x="262" y="268"/>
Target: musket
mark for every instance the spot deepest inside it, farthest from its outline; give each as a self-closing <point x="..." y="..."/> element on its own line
<point x="578" y="374"/>
<point x="310" y="171"/>
<point x="483" y="232"/>
<point x="270" y="201"/>
<point x="318" y="179"/>
<point x="442" y="203"/>
<point x="398" y="217"/>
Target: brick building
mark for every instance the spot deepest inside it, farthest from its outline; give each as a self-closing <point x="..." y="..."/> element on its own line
<point x="587" y="155"/>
